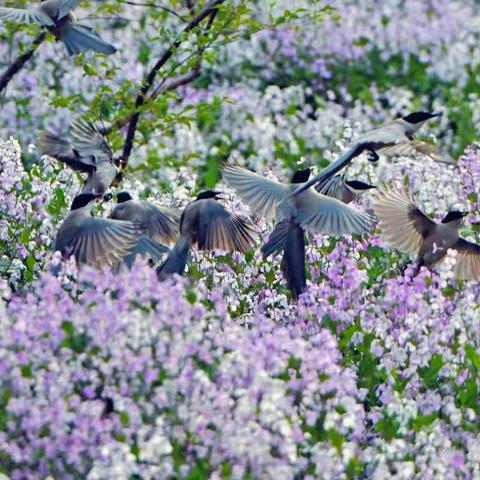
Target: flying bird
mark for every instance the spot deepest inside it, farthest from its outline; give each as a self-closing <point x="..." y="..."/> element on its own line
<point x="84" y="150"/>
<point x="58" y="18"/>
<point x="395" y="137"/>
<point x="94" y="241"/>
<point x="208" y="224"/>
<point x="309" y="211"/>
<point x="159" y="223"/>
<point x="407" y="228"/>
<point x="342" y="189"/>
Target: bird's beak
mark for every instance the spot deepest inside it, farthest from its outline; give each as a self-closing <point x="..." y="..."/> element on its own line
<point x="437" y="114"/>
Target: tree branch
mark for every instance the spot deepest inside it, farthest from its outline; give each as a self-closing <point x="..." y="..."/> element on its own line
<point x="155" y="5"/>
<point x="18" y="64"/>
<point x="176" y="82"/>
<point x="140" y="100"/>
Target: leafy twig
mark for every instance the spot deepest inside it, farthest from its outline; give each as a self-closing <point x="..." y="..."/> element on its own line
<point x="156" y="5"/>
<point x="141" y="97"/>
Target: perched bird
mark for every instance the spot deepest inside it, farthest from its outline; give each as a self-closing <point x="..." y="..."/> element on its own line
<point x="396" y="137"/>
<point x="208" y="224"/>
<point x="310" y="211"/>
<point x="100" y="241"/>
<point x="84" y="150"/>
<point x="407" y="228"/>
<point x="342" y="189"/>
<point x="58" y="18"/>
<point x="159" y="223"/>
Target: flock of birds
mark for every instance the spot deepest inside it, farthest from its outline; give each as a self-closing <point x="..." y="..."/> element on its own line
<point x="321" y="204"/>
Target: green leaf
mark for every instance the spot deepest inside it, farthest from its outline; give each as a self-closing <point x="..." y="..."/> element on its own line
<point x="472" y="355"/>
<point x="430" y="374"/>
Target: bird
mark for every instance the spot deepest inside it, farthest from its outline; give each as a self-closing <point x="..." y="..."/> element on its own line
<point x="310" y="211"/>
<point x="395" y="137"/>
<point x="58" y="18"/>
<point x="158" y="223"/>
<point x="407" y="228"/>
<point x="99" y="241"/>
<point x="207" y="223"/>
<point x="84" y="150"/>
<point x="342" y="189"/>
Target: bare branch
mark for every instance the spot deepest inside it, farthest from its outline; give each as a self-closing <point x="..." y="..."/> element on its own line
<point x="156" y="5"/>
<point x="140" y="100"/>
<point x="18" y="64"/>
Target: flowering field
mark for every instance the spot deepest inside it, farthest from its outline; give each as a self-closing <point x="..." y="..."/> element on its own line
<point x="372" y="374"/>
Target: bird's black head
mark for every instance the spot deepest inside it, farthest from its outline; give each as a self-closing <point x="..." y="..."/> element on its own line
<point x="419" y="117"/>
<point x="358" y="185"/>
<point x="453" y="215"/>
<point x="207" y="194"/>
<point x="82" y="200"/>
<point x="123" y="197"/>
<point x="301" y="176"/>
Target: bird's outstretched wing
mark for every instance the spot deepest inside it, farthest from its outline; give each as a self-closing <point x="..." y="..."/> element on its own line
<point x="403" y="224"/>
<point x="26" y="16"/>
<point x="100" y="241"/>
<point x="259" y="193"/>
<point x="62" y="150"/>
<point x="468" y="260"/>
<point x="67" y="7"/>
<point x="89" y="141"/>
<point x="331" y="186"/>
<point x="223" y="230"/>
<point x="162" y="223"/>
<point x="322" y="214"/>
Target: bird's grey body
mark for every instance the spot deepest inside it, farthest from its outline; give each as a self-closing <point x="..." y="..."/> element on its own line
<point x="159" y="223"/>
<point x="407" y="228"/>
<point x="208" y="224"/>
<point x="57" y="17"/>
<point x="85" y="150"/>
<point x="342" y="189"/>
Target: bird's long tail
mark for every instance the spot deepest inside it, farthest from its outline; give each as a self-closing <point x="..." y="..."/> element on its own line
<point x="293" y="262"/>
<point x="146" y="247"/>
<point x="80" y="38"/>
<point x="176" y="260"/>
<point x="276" y="241"/>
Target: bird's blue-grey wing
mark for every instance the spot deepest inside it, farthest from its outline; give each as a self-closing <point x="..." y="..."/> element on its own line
<point x="62" y="149"/>
<point x="322" y="214"/>
<point x="331" y="186"/>
<point x="100" y="241"/>
<point x="161" y="223"/>
<point x="220" y="229"/>
<point x="67" y="7"/>
<point x="26" y="16"/>
<point x="403" y="224"/>
<point x="89" y="141"/>
<point x="468" y="260"/>
<point x="261" y="194"/>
